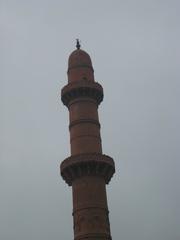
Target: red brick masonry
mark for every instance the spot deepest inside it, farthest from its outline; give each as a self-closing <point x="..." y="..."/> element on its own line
<point x="87" y="170"/>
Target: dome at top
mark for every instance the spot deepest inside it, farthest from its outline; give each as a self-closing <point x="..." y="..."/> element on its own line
<point x="79" y="58"/>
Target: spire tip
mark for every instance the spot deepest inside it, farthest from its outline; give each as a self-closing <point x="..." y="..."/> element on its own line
<point x="78" y="44"/>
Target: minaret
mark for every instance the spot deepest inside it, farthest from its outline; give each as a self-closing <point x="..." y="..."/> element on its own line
<point x="87" y="170"/>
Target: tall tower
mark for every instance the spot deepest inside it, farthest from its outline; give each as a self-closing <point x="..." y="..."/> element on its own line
<point x="87" y="170"/>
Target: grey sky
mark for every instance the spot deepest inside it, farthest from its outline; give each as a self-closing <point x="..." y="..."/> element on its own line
<point x="134" y="46"/>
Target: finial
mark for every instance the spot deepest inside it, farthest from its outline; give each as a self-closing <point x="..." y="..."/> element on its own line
<point x="78" y="44"/>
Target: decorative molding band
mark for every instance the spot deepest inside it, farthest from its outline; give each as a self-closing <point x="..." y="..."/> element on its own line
<point x="90" y="164"/>
<point x="94" y="236"/>
<point x="88" y="120"/>
<point x="77" y="210"/>
<point x="85" y="135"/>
<point x="82" y="88"/>
<point x="80" y="66"/>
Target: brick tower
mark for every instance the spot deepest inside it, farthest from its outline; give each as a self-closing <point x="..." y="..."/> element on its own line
<point x="87" y="170"/>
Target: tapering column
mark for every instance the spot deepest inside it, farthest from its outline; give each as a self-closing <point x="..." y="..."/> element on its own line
<point x="87" y="170"/>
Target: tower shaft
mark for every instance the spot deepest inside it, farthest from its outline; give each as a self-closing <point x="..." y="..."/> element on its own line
<point x="87" y="170"/>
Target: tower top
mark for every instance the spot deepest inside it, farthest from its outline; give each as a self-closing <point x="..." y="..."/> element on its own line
<point x="79" y="59"/>
<point x="78" y="44"/>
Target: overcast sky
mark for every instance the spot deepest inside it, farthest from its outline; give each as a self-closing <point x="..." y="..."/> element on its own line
<point x="134" y="47"/>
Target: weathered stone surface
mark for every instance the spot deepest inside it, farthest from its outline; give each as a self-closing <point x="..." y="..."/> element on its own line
<point x="87" y="170"/>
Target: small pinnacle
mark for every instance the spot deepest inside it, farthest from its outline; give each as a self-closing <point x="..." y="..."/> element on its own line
<point x="78" y="44"/>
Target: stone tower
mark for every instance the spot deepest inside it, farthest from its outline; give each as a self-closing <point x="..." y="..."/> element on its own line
<point x="87" y="170"/>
